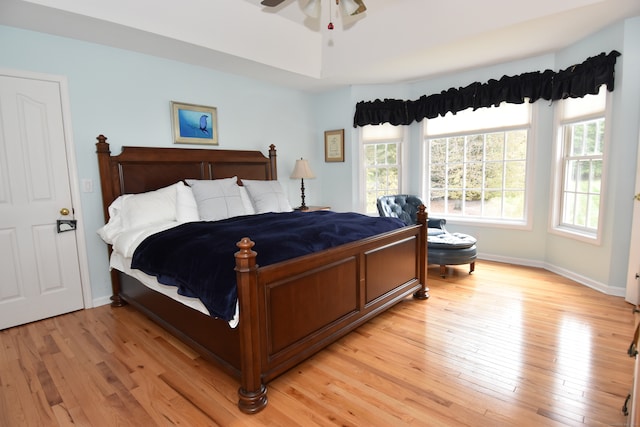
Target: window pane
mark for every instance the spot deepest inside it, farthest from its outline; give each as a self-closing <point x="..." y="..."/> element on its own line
<point x="369" y="155"/>
<point x="581" y="210"/>
<point x="591" y="140"/>
<point x="392" y="179"/>
<point x="514" y="204"/>
<point x="455" y="175"/>
<point x="515" y="178"/>
<point x="516" y="145"/>
<point x="456" y="150"/>
<point x="577" y="141"/>
<point x="381" y="154"/>
<point x="596" y="179"/>
<point x="438" y="149"/>
<point x="437" y="176"/>
<point x="584" y="169"/>
<point x="392" y="154"/>
<point x="475" y="148"/>
<point x="495" y="147"/>
<point x="371" y="179"/>
<point x="594" y="209"/>
<point x="493" y="175"/>
<point x="436" y="203"/>
<point x="568" y="208"/>
<point x="493" y="204"/>
<point x="570" y="175"/>
<point x="600" y="144"/>
<point x="473" y="175"/>
<point x="381" y="178"/>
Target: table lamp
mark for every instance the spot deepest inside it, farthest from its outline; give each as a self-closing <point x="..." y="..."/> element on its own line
<point x="302" y="171"/>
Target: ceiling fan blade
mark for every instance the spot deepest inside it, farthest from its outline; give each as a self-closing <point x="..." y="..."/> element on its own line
<point x="271" y="3"/>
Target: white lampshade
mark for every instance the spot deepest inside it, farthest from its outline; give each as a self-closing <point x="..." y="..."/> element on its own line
<point x="312" y="9"/>
<point x="302" y="170"/>
<point x="352" y="7"/>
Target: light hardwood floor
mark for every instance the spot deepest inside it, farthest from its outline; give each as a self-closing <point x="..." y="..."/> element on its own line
<point x="506" y="346"/>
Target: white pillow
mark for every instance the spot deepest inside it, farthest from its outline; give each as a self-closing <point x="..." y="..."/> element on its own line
<point x="217" y="199"/>
<point x="267" y="196"/>
<point x="114" y="226"/>
<point x="246" y="201"/>
<point x="186" y="206"/>
<point x="149" y="208"/>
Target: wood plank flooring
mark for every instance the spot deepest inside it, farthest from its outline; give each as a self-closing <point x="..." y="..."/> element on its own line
<point x="505" y="346"/>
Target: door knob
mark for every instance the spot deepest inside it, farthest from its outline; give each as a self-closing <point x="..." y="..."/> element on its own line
<point x="64" y="211"/>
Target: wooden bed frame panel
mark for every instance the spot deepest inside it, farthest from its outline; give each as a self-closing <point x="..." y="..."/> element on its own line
<point x="289" y="310"/>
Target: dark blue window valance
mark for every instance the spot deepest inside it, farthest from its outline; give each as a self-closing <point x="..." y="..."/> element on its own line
<point x="574" y="82"/>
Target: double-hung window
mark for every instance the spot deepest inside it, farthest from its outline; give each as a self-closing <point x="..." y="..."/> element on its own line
<point x="476" y="163"/>
<point x="580" y="160"/>
<point x="382" y="162"/>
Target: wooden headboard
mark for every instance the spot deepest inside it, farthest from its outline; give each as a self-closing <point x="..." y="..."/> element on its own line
<point x="140" y="169"/>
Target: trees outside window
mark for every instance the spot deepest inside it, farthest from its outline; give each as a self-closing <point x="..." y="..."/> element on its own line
<point x="476" y="163"/>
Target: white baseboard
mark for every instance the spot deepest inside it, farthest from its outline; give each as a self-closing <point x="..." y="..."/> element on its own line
<point x="598" y="286"/>
<point x="97" y="302"/>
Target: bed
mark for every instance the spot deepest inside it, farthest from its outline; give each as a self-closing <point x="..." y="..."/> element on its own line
<point x="287" y="311"/>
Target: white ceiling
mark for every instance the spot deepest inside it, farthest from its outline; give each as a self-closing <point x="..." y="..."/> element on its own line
<point x="393" y="41"/>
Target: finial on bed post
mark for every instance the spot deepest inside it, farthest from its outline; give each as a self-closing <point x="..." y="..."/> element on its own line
<point x="252" y="394"/>
<point x="423" y="292"/>
<point x="273" y="164"/>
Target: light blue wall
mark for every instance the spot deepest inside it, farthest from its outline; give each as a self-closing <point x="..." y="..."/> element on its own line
<point x="126" y="95"/>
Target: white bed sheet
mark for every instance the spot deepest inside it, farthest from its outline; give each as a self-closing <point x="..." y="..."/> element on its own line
<point x="123" y="264"/>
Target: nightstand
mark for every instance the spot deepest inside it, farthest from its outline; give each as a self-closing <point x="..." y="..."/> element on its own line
<point x="314" y="208"/>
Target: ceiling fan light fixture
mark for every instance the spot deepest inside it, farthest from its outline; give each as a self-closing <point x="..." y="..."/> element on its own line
<point x="312" y="9"/>
<point x="353" y="7"/>
<point x="348" y="6"/>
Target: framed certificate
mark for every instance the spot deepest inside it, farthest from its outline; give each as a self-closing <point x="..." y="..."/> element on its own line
<point x="334" y="145"/>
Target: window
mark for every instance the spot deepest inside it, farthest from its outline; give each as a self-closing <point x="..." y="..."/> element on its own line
<point x="580" y="149"/>
<point x="476" y="163"/>
<point x="382" y="162"/>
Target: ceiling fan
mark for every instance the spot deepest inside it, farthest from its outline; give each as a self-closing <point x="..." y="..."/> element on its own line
<point x="351" y="7"/>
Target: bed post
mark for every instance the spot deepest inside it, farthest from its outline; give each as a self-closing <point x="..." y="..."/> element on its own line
<point x="423" y="292"/>
<point x="252" y="393"/>
<point x="104" y="166"/>
<point x="273" y="164"/>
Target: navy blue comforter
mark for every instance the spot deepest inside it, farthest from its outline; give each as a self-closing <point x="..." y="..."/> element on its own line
<point x="198" y="257"/>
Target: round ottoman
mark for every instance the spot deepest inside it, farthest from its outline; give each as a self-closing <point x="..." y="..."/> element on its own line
<point x="451" y="249"/>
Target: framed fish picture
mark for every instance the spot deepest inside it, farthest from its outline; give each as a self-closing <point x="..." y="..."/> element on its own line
<point x="194" y="124"/>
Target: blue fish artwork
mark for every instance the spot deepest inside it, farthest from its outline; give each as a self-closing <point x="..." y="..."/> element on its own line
<point x="195" y="124"/>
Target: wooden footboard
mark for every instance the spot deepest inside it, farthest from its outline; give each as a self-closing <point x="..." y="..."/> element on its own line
<point x="307" y="303"/>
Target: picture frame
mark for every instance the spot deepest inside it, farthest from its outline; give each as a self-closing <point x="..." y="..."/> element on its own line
<point x="334" y="145"/>
<point x="194" y="124"/>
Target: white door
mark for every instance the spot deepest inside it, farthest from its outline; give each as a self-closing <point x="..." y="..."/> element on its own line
<point x="40" y="273"/>
<point x="633" y="273"/>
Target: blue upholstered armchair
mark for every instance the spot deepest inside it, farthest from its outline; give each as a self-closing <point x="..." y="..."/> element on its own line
<point x="443" y="248"/>
<point x="405" y="207"/>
